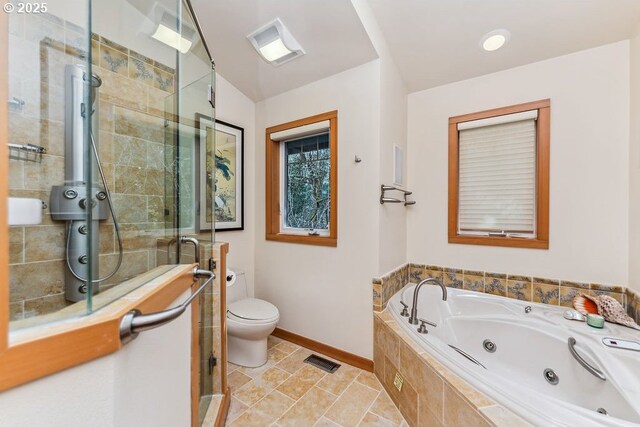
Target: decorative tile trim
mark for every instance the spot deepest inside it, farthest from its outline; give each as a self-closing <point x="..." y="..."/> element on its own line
<point x="525" y="288"/>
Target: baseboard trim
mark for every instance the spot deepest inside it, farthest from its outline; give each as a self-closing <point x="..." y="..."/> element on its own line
<point x="333" y="352"/>
<point x="223" y="411"/>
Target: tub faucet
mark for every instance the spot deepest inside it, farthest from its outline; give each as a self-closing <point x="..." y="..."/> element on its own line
<point x="414" y="306"/>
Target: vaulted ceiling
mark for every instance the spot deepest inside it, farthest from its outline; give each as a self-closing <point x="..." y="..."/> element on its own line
<point x="433" y="42"/>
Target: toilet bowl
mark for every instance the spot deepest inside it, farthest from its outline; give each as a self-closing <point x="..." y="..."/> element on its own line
<point x="250" y="321"/>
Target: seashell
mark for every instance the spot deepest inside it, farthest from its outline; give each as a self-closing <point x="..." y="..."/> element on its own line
<point x="585" y="304"/>
<point x="612" y="311"/>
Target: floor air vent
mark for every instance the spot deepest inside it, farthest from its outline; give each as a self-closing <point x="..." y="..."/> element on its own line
<point x="322" y="363"/>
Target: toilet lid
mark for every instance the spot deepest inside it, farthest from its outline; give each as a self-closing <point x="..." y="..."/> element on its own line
<point x="253" y="309"/>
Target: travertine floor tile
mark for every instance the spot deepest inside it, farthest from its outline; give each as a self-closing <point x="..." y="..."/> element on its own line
<point x="237" y="379"/>
<point x="352" y="405"/>
<point x="325" y="422"/>
<point x="288" y="392"/>
<point x="301" y="382"/>
<point x="236" y="408"/>
<point x="265" y="412"/>
<point x="370" y="380"/>
<point x="372" y="420"/>
<point x="287" y="347"/>
<point x="384" y="407"/>
<point x="309" y="409"/>
<point x="272" y="341"/>
<point x="295" y="360"/>
<point x="259" y="387"/>
<point x="338" y="382"/>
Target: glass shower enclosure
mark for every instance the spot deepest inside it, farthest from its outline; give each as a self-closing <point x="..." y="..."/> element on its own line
<point x="103" y="142"/>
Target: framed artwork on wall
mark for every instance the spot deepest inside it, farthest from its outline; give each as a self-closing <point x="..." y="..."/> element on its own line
<point x="221" y="197"/>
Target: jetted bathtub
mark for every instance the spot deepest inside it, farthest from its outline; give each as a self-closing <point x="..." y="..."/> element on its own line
<point x="514" y="355"/>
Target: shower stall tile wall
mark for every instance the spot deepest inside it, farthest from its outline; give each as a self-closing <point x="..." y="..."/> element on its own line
<point x="132" y="150"/>
<point x="525" y="288"/>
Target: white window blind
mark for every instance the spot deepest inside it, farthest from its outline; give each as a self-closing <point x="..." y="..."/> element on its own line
<point x="497" y="175"/>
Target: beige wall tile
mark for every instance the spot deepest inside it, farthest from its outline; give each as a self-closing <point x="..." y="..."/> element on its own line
<point x="547" y="294"/>
<point x="425" y="380"/>
<point x="36" y="279"/>
<point x="349" y="409"/>
<point x="458" y="412"/>
<point x="407" y="397"/>
<point x="43" y="243"/>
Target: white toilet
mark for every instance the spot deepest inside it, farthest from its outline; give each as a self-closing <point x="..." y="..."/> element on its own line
<point x="249" y="322"/>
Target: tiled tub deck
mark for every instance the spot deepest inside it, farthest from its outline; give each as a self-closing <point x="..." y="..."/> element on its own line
<point x="431" y="395"/>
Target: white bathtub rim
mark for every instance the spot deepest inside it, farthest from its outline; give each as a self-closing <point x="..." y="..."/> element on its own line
<point x="472" y="374"/>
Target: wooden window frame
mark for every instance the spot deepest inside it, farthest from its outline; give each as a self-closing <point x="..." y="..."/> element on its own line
<point x="541" y="240"/>
<point x="274" y="188"/>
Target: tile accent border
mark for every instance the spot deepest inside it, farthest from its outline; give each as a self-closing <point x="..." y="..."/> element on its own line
<point x="431" y="394"/>
<point x="525" y="288"/>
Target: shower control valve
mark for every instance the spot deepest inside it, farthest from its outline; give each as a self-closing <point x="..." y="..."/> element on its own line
<point x="70" y="194"/>
<point x="101" y="195"/>
<point x="82" y="259"/>
<point x="83" y="229"/>
<point x="83" y="203"/>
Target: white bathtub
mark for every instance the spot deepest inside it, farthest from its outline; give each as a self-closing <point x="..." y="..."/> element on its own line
<point x="527" y="344"/>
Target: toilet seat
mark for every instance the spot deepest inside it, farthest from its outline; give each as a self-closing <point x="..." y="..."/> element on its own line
<point x="252" y="310"/>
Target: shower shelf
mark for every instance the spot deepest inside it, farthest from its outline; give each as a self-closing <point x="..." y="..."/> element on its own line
<point x="27" y="152"/>
<point x="384" y="199"/>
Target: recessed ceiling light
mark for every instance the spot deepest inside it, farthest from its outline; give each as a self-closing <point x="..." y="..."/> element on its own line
<point x="275" y="43"/>
<point x="172" y="38"/>
<point x="494" y="40"/>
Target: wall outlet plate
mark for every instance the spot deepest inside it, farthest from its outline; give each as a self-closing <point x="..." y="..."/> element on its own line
<point x="398" y="381"/>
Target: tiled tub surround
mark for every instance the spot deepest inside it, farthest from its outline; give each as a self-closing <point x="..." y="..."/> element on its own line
<point x="431" y="395"/>
<point x="131" y="147"/>
<point x="525" y="288"/>
<point x="527" y="343"/>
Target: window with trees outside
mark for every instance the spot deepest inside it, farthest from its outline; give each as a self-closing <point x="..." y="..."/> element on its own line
<point x="301" y="179"/>
<point x="499" y="177"/>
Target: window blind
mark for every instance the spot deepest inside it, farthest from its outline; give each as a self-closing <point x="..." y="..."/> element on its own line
<point x="497" y="176"/>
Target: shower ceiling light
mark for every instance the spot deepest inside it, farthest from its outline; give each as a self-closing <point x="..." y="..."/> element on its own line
<point x="275" y="43"/>
<point x="494" y="40"/>
<point x="172" y="38"/>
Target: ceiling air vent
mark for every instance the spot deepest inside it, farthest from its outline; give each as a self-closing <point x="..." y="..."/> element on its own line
<point x="275" y="43"/>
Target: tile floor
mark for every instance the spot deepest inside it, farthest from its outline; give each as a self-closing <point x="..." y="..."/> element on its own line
<point x="287" y="392"/>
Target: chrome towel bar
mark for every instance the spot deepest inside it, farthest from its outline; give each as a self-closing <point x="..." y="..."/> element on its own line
<point x="384" y="199"/>
<point x="135" y="322"/>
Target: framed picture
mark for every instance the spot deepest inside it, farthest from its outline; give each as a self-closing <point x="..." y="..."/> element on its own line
<point x="220" y="196"/>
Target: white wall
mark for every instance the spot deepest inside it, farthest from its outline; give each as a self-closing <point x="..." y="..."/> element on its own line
<point x="589" y="208"/>
<point x="324" y="293"/>
<point x="147" y="383"/>
<point x="634" y="165"/>
<point x="235" y="108"/>
<point x="392" y="233"/>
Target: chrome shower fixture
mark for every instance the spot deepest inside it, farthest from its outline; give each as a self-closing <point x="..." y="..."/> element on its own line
<point x="82" y="201"/>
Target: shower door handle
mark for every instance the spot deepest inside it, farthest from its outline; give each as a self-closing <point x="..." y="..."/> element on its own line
<point x="196" y="246"/>
<point x="135" y="322"/>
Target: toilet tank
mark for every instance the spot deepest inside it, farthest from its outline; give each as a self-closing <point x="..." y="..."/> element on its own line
<point x="236" y="285"/>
